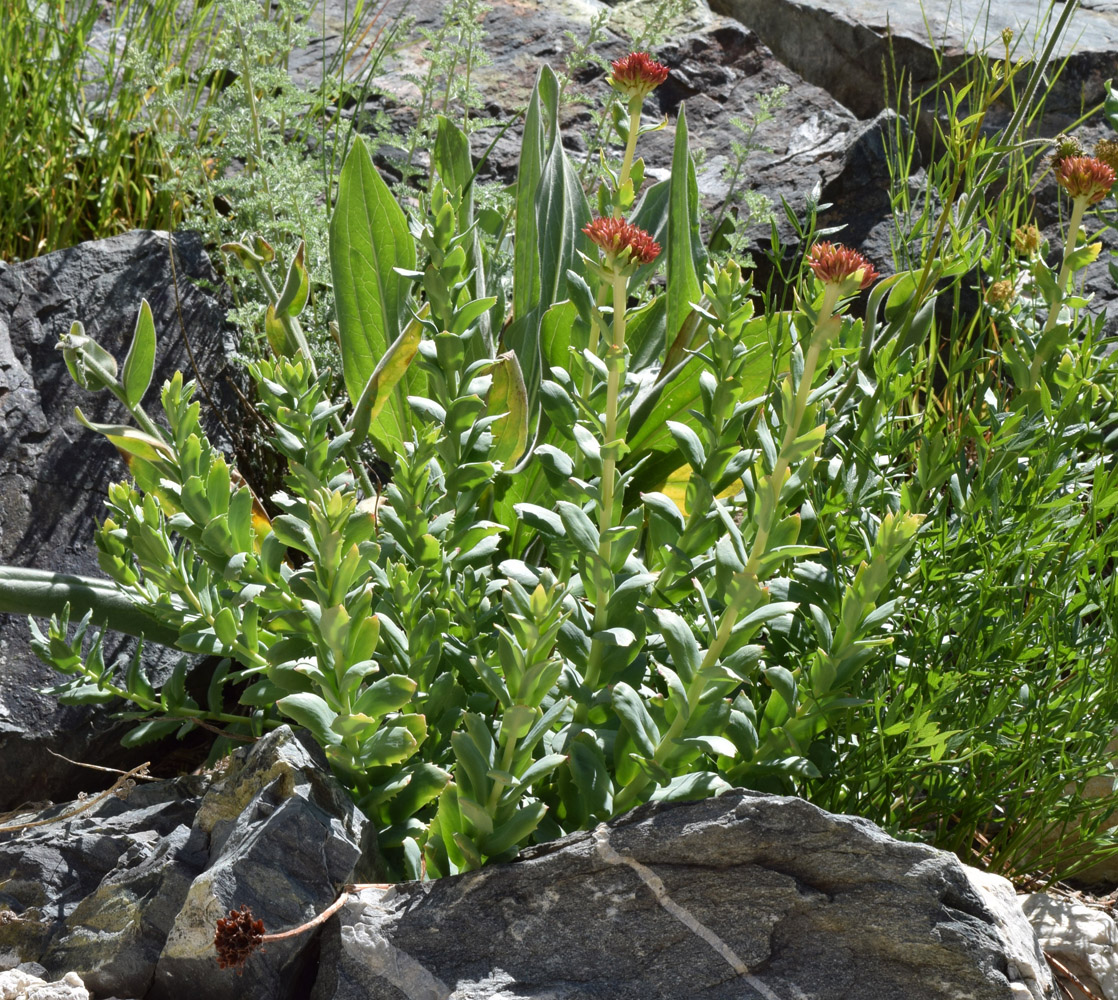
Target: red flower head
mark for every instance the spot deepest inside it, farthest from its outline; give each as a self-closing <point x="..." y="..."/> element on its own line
<point x="833" y="264"/>
<point x="624" y="244"/>
<point x="238" y="936"/>
<point x="1085" y="177"/>
<point x="637" y="75"/>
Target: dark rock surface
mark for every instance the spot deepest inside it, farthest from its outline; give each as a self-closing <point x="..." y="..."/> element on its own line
<point x="843" y="45"/>
<point x="719" y="68"/>
<point x="54" y="473"/>
<point x="746" y="895"/>
<point x="128" y="893"/>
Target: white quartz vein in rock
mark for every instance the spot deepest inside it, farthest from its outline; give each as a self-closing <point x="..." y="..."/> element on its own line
<point x="654" y="882"/>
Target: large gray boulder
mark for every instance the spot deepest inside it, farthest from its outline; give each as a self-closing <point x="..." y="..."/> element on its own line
<point x="54" y="473"/>
<point x="743" y="896"/>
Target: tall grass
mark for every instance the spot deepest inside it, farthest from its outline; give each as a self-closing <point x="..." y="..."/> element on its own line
<point x="78" y="161"/>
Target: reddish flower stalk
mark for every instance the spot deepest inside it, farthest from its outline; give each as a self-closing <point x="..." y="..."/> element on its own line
<point x="833" y="264"/>
<point x="1085" y="177"/>
<point x="637" y="75"/>
<point x="239" y="934"/>
<point x="622" y="242"/>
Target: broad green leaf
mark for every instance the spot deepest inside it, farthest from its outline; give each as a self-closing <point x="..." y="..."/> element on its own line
<point x="518" y="829"/>
<point x="425" y="783"/>
<point x="311" y="712"/>
<point x="128" y="439"/>
<point x="526" y="260"/>
<point x="508" y="401"/>
<point x="686" y="255"/>
<point x="681" y="644"/>
<point x="389" y="745"/>
<point x="561" y="210"/>
<point x="589" y="780"/>
<point x="385" y="695"/>
<point x="385" y="377"/>
<point x="139" y="363"/>
<point x="689" y="787"/>
<point x="369" y="239"/>
<point x="651" y="214"/>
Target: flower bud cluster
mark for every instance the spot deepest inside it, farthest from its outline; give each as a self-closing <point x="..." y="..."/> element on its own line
<point x="636" y="75"/>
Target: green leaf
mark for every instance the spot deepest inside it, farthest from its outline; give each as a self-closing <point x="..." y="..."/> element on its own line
<point x="451" y="155"/>
<point x="681" y="643"/>
<point x="312" y="713"/>
<point x="686" y="255"/>
<point x="512" y="833"/>
<point x="296" y="288"/>
<point x="385" y="695"/>
<point x="508" y="401"/>
<point x="139" y="363"/>
<point x="580" y="529"/>
<point x="554" y="240"/>
<point x="385" y="377"/>
<point x="388" y="745"/>
<point x="128" y="439"/>
<point x="526" y="259"/>
<point x="689" y="787"/>
<point x="634" y="716"/>
<point x="147" y="732"/>
<point x="593" y="787"/>
<point x="369" y="239"/>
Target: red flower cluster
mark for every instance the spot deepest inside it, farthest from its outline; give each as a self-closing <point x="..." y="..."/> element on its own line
<point x="637" y="75"/>
<point x="623" y="240"/>
<point x="1085" y="177"/>
<point x="833" y="264"/>
<point x="237" y="937"/>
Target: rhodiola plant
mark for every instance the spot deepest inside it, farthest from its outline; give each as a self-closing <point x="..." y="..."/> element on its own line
<point x="519" y="634"/>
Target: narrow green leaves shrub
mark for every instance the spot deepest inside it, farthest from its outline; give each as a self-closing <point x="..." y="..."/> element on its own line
<point x="520" y="634"/>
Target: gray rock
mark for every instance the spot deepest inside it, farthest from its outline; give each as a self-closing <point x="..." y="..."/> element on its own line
<point x="128" y="893"/>
<point x="52" y="871"/>
<point x="743" y="896"/>
<point x="54" y="473"/>
<point x="283" y="837"/>
<point x="842" y="45"/>
<point x="718" y="68"/>
<point x="1082" y="938"/>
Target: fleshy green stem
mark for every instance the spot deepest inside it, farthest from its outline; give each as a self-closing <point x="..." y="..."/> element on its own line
<point x="615" y="364"/>
<point x="630" y="149"/>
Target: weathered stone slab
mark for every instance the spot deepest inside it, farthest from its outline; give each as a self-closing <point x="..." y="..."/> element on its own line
<point x="742" y="896"/>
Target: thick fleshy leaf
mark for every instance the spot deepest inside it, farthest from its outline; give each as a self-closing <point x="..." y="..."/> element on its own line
<point x="451" y="155"/>
<point x="297" y="287"/>
<point x="128" y="439"/>
<point x="139" y="363"/>
<point x="369" y="240"/>
<point x="311" y="712"/>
